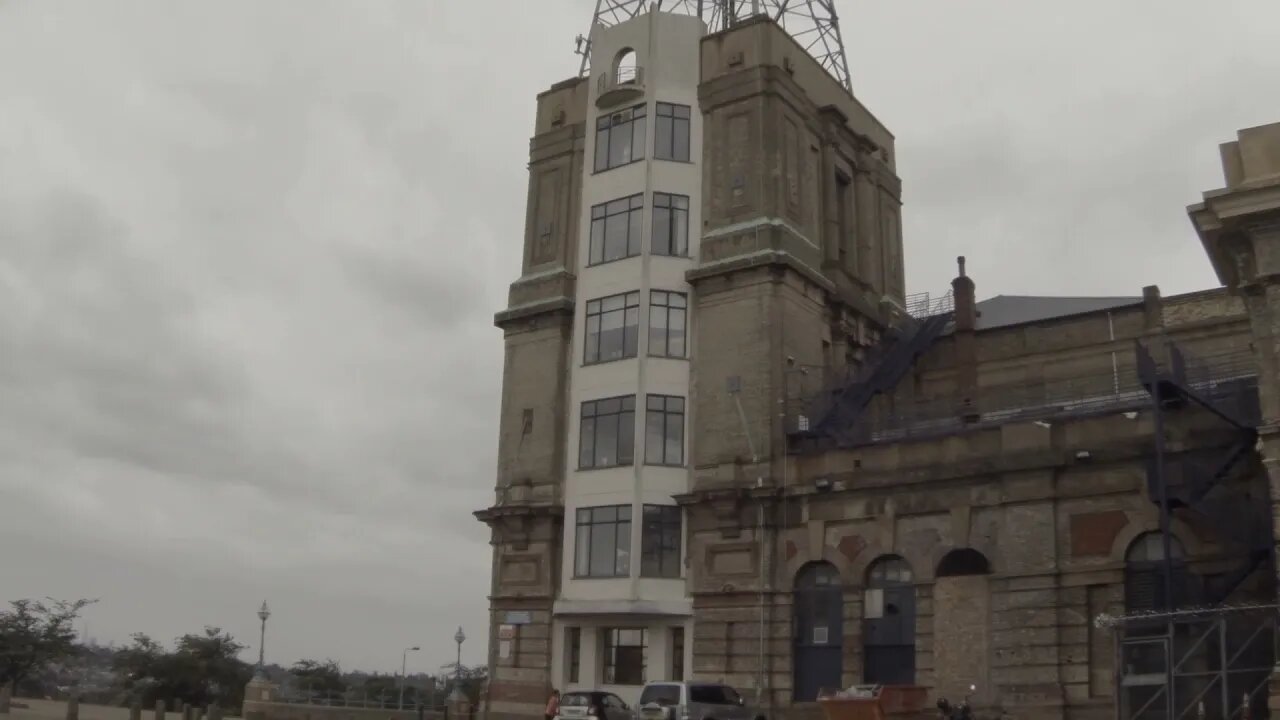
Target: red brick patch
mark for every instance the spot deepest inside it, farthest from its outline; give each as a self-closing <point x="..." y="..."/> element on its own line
<point x="851" y="545"/>
<point x="1095" y="533"/>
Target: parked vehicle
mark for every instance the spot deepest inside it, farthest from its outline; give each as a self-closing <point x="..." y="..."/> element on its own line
<point x="947" y="711"/>
<point x="693" y="701"/>
<point x="593" y="705"/>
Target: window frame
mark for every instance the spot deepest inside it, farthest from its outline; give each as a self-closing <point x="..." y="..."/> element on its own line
<point x="670" y="115"/>
<point x="627" y="405"/>
<point x="630" y="302"/>
<point x="611" y="641"/>
<point x="607" y="125"/>
<point x="573" y="661"/>
<point x="583" y="567"/>
<point x="661" y="302"/>
<point x="601" y="213"/>
<point x="665" y="415"/>
<point x="666" y="523"/>
<point x="676" y="224"/>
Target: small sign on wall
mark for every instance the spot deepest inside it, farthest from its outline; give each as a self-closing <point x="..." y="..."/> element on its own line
<point x="518" y="617"/>
<point x="504" y="649"/>
<point x="820" y="635"/>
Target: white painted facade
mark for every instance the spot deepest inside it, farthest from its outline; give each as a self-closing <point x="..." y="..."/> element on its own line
<point x="667" y="49"/>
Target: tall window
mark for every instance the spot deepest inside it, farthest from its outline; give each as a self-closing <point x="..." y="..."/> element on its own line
<point x="667" y="312"/>
<point x="573" y="653"/>
<point x="602" y="546"/>
<point x="613" y="328"/>
<point x="607" y="438"/>
<point x="624" y="656"/>
<point x="660" y="542"/>
<point x="615" y="229"/>
<point x="620" y="138"/>
<point x="677" y="653"/>
<point x="664" y="430"/>
<point x="670" y="224"/>
<point x="672" y="140"/>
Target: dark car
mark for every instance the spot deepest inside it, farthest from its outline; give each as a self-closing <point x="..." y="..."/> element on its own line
<point x="597" y="704"/>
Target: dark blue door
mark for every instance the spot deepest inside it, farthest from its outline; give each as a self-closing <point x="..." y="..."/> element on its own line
<point x="819" y="628"/>
<point x="889" y="624"/>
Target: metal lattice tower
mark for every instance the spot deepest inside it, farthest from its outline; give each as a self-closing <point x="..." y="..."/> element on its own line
<point x="812" y="23"/>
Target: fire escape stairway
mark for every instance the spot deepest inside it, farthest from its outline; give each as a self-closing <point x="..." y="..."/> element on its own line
<point x="1195" y="484"/>
<point x="881" y="371"/>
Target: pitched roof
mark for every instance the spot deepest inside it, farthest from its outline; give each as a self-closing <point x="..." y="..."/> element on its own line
<point x="1006" y="310"/>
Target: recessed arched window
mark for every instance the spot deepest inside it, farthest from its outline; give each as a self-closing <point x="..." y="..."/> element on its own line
<point x="1144" y="574"/>
<point x="961" y="562"/>
<point x="818" y="661"/>
<point x="889" y="623"/>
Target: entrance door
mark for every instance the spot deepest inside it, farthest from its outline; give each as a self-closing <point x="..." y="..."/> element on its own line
<point x="819" y="611"/>
<point x="889" y="624"/>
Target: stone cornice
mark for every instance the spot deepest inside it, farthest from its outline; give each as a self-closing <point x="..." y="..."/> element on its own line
<point x="514" y="315"/>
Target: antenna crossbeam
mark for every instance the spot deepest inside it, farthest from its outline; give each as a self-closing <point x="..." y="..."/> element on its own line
<point x="812" y="23"/>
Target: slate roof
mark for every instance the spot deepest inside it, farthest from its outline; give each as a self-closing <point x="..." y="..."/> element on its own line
<point x="1006" y="310"/>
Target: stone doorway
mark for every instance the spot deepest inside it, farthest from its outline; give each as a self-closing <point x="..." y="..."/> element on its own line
<point x="819" y="631"/>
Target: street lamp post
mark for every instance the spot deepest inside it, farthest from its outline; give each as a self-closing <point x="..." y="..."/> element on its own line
<point x="263" y="613"/>
<point x="458" y="637"/>
<point x="404" y="659"/>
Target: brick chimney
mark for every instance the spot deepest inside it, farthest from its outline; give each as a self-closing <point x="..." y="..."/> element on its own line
<point x="966" y="356"/>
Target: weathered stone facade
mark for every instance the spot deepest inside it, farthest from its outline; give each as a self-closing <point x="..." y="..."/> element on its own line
<point x="1016" y="527"/>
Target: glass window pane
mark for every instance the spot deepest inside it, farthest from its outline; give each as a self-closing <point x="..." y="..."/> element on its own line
<point x="634" y="230"/>
<point x="678" y="300"/>
<point x="626" y="438"/>
<point x="592" y="352"/>
<point x="615" y="237"/>
<point x="597" y="242"/>
<point x="602" y="150"/>
<point x="603" y="550"/>
<point x="629" y="402"/>
<point x="662" y="139"/>
<point x="682" y="202"/>
<point x="638" y="138"/>
<point x="605" y="514"/>
<point x="675" y="439"/>
<point x="624" y="512"/>
<point x="662" y="231"/>
<point x="619" y="148"/>
<point x="582" y="551"/>
<point x="623" y="564"/>
<point x="653" y="438"/>
<point x="606" y="442"/>
<point x="586" y="443"/>
<point x="631" y="333"/>
<point x="608" y="405"/>
<point x="682" y="111"/>
<point x="680" y="143"/>
<point x="680" y="242"/>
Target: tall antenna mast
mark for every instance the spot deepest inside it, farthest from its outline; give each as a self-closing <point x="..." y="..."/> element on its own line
<point x="811" y="23"/>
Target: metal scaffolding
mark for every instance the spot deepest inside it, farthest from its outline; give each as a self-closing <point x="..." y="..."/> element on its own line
<point x="813" y="24"/>
<point x="1207" y="662"/>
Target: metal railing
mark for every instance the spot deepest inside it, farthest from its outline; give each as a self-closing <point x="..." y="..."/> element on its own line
<point x="1223" y="377"/>
<point x="627" y="75"/>
<point x="923" y="305"/>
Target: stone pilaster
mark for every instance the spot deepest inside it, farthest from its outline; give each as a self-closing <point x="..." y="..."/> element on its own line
<point x="1240" y="228"/>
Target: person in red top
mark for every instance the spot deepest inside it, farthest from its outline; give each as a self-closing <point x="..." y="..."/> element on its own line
<point x="553" y="705"/>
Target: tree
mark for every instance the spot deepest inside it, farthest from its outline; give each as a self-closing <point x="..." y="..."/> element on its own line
<point x="202" y="669"/>
<point x="322" y="679"/>
<point x="34" y="634"/>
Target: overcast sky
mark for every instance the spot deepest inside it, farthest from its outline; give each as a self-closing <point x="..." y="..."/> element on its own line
<point x="250" y="252"/>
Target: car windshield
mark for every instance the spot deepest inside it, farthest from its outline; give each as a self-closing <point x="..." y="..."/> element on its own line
<point x="664" y="695"/>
